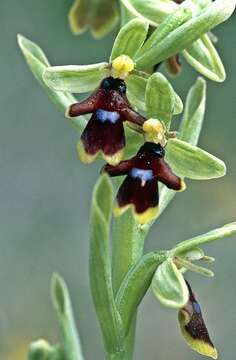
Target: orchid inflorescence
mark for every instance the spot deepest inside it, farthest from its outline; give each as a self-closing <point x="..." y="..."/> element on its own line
<point x="126" y="120"/>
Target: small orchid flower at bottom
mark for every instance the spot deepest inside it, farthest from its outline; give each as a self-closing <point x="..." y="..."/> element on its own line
<point x="104" y="132"/>
<point x="193" y="327"/>
<point x="140" y="187"/>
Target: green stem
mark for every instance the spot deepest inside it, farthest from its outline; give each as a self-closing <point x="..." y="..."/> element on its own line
<point x="127" y="249"/>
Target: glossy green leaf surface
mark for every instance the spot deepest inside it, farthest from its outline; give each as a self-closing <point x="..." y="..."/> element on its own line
<point x="169" y="286"/>
<point x="100" y="266"/>
<point x="75" y="78"/>
<point x="130" y="39"/>
<point x="203" y="56"/>
<point x="182" y="37"/>
<point x="62" y="305"/>
<point x="192" y="162"/>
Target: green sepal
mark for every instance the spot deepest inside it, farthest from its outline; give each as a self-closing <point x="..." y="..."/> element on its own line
<point x="87" y="13"/>
<point x="153" y="11"/>
<point x="190" y="128"/>
<point x="191" y="124"/>
<point x="75" y="78"/>
<point x="183" y="36"/>
<point x="216" y="234"/>
<point x="130" y="39"/>
<point x="135" y="285"/>
<point x="62" y="304"/>
<point x="203" y="56"/>
<point x="160" y="99"/>
<point x="169" y="286"/>
<point x="38" y="63"/>
<point x="192" y="162"/>
<point x="100" y="266"/>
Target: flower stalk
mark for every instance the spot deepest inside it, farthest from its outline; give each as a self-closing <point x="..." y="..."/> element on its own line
<point x="127" y="121"/>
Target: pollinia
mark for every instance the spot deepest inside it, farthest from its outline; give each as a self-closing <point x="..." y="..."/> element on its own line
<point x="127" y="121"/>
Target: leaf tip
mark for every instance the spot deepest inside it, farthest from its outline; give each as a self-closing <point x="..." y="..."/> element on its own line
<point x="58" y="288"/>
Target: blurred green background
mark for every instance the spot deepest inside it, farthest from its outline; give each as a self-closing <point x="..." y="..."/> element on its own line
<point x="45" y="198"/>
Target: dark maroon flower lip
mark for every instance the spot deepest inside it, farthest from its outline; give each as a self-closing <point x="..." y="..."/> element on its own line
<point x="104" y="133"/>
<point x="194" y="328"/>
<point x="140" y="187"/>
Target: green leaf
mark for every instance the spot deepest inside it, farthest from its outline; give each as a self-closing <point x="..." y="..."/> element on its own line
<point x="84" y="14"/>
<point x="169" y="286"/>
<point x="217" y="234"/>
<point x="38" y="63"/>
<point x="192" y="162"/>
<point x="136" y="87"/>
<point x="160" y="99"/>
<point x="152" y="10"/>
<point x="135" y="285"/>
<point x="100" y="267"/>
<point x="130" y="38"/>
<point x="191" y="125"/>
<point x="62" y="305"/>
<point x="75" y="78"/>
<point x="203" y="56"/>
<point x="182" y="37"/>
